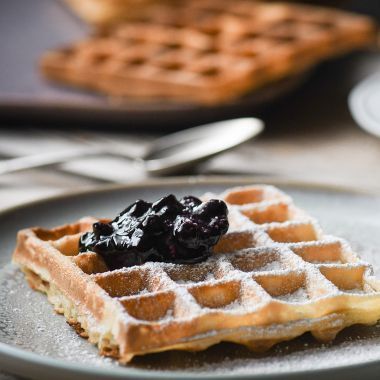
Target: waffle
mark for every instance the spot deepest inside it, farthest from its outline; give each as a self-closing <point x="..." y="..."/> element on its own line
<point x="110" y="12"/>
<point x="274" y="276"/>
<point x="208" y="51"/>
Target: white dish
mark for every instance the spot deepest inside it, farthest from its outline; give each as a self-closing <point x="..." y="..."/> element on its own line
<point x="364" y="103"/>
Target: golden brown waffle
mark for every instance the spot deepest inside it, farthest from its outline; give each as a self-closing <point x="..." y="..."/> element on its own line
<point x="110" y="12"/>
<point x="274" y="276"/>
<point x="207" y="51"/>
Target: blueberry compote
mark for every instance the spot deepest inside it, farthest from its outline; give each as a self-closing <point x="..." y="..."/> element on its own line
<point x="167" y="230"/>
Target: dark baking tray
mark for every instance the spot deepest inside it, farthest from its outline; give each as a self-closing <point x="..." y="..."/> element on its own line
<point x="30" y="27"/>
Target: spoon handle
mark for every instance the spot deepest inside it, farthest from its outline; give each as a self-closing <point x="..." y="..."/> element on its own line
<point x="43" y="159"/>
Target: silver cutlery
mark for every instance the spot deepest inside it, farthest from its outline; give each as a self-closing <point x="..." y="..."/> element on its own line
<point x="166" y="155"/>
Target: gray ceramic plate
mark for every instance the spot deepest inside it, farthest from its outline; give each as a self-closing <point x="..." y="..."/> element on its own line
<point x="36" y="343"/>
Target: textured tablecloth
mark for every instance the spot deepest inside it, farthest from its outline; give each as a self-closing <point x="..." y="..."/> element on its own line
<point x="310" y="136"/>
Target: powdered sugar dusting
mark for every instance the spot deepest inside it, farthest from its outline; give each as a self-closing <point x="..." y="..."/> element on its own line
<point x="300" y="295"/>
<point x="28" y="321"/>
<point x="272" y="266"/>
<point x="48" y="334"/>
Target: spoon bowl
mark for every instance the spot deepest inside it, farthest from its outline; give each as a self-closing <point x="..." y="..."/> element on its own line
<point x="186" y="148"/>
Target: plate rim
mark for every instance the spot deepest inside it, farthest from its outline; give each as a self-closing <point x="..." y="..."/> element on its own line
<point x="11" y="356"/>
<point x="196" y="179"/>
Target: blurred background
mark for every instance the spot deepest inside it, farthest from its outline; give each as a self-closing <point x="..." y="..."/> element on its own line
<point x="310" y="133"/>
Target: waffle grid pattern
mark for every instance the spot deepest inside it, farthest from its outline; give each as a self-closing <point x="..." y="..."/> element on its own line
<point x="207" y="51"/>
<point x="272" y="277"/>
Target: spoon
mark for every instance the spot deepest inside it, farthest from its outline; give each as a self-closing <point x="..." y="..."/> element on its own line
<point x="165" y="155"/>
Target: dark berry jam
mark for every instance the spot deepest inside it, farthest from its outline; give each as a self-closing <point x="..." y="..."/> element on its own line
<point x="167" y="230"/>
